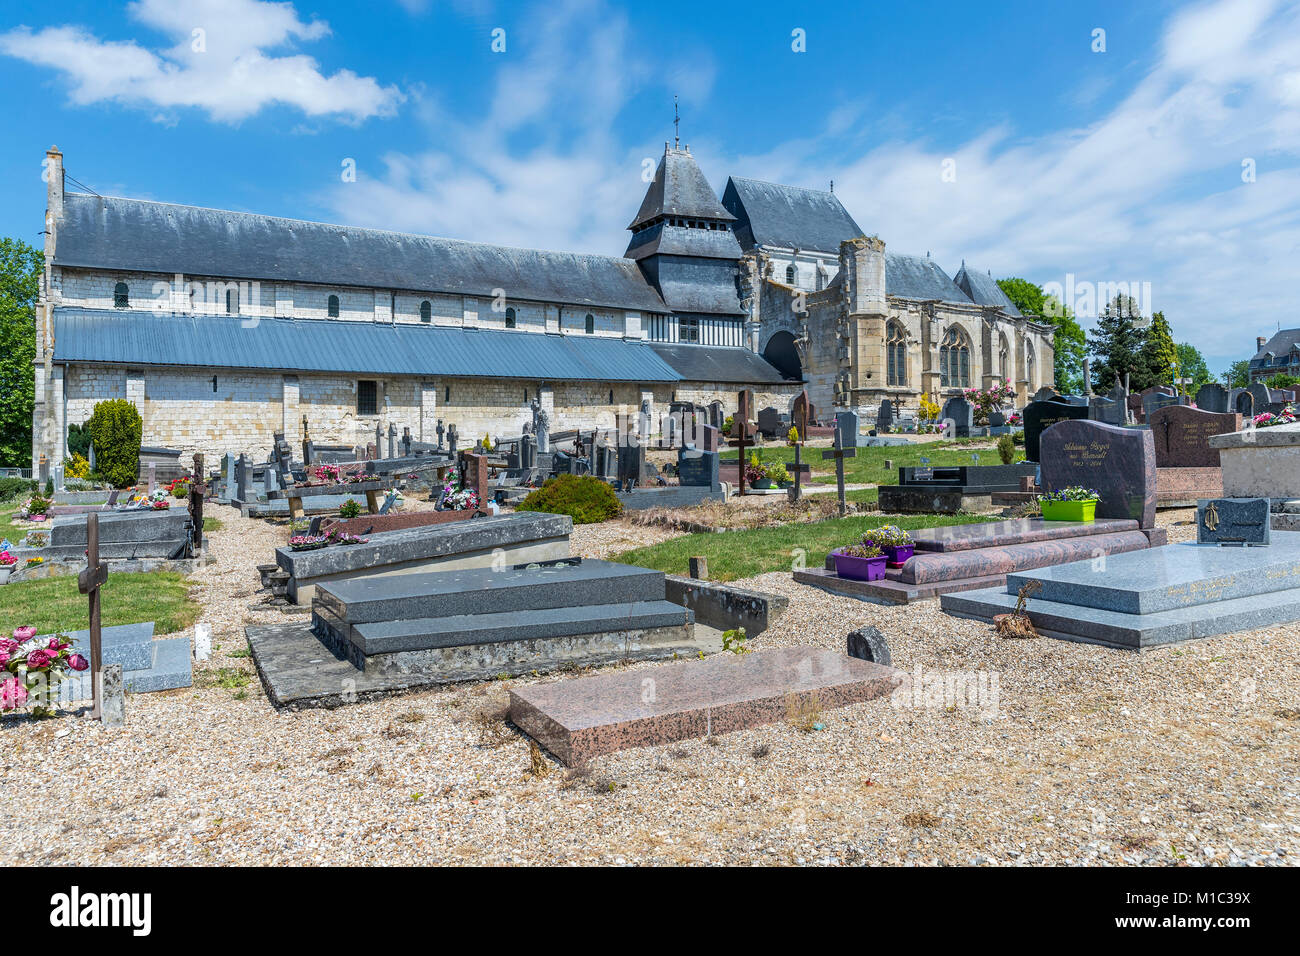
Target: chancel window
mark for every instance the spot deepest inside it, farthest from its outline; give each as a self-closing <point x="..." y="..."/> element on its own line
<point x="1004" y="353"/>
<point x="121" y="296"/>
<point x="426" y="311"/>
<point x="367" y="397"/>
<point x="590" y="324"/>
<point x="895" y="354"/>
<point x="332" y="306"/>
<point x="954" y="359"/>
<point x="790" y="275"/>
<point x="510" y="318"/>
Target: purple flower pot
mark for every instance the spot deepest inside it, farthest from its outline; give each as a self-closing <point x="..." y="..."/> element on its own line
<point x="859" y="569"/>
<point x="896" y="555"/>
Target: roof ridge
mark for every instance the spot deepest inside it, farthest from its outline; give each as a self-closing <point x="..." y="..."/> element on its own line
<point x="768" y="182"/>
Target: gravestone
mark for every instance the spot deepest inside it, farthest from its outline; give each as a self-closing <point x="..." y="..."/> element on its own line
<point x="697" y="469"/>
<point x="997" y="419"/>
<point x="1245" y="403"/>
<point x="716" y="415"/>
<point x="1044" y="394"/>
<point x="1233" y="521"/>
<point x="1106" y="410"/>
<point x="1155" y="401"/>
<point x="453" y="438"/>
<point x="1183" y="434"/>
<point x="1039" y="416"/>
<point x="243" y="476"/>
<point x="228" y="476"/>
<point x="772" y="423"/>
<point x="1212" y="397"/>
<point x="885" y="417"/>
<point x="1259" y="391"/>
<point x="1118" y="463"/>
<point x="631" y="465"/>
<point x="441" y="432"/>
<point x="847" y="429"/>
<point x="961" y="413"/>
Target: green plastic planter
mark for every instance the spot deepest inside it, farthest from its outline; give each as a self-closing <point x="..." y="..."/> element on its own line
<point x="1068" y="510"/>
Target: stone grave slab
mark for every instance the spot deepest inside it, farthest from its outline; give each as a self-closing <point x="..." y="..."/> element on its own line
<point x="948" y="489"/>
<point x="147" y="664"/>
<point x="1236" y="521"/>
<point x="586" y="717"/>
<point x="1119" y="463"/>
<point x="1260" y="462"/>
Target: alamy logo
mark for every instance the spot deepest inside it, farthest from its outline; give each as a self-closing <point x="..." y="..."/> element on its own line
<point x="76" y="909"/>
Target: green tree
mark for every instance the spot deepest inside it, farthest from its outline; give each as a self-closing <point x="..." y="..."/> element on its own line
<point x="116" y="428"/>
<point x="20" y="287"/>
<point x="1191" y="364"/>
<point x="1237" y="374"/>
<point x="1069" y="341"/>
<point x="1283" y="380"/>
<point x="1116" y="343"/>
<point x="1158" y="355"/>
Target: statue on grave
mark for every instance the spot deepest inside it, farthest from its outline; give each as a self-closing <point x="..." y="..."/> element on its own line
<point x="543" y="426"/>
<point x="440" y="434"/>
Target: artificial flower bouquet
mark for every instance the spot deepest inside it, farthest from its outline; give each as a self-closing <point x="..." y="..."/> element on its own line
<point x="30" y="672"/>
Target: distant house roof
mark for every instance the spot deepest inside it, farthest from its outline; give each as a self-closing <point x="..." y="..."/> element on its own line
<point x="983" y="289"/>
<point x="732" y="366"/>
<point x="920" y="277"/>
<point x="139" y="236"/>
<point x="122" y="337"/>
<point x="1279" y="347"/>
<point x="679" y="189"/>
<point x="788" y="217"/>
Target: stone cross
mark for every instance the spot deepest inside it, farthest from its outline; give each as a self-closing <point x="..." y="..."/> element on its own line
<point x="452" y="438"/>
<point x="839" y="454"/>
<point x="379" y="438"/>
<point x="306" y="443"/>
<point x="392" y="440"/>
<point x="441" y="430"/>
<point x="89" y="582"/>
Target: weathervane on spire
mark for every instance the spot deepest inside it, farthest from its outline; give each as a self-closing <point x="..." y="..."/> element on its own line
<point x="677" y="140"/>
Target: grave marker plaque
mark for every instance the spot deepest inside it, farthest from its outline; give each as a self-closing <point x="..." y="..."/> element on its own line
<point x="1182" y="435"/>
<point x="1118" y="463"/>
<point x="1233" y="521"/>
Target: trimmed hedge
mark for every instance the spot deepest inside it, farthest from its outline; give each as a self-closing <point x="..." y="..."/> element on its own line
<point x="585" y="499"/>
<point x="115" y="428"/>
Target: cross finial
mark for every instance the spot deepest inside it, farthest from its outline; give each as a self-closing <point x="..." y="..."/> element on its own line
<point x="677" y="140"/>
<point x="832" y="185"/>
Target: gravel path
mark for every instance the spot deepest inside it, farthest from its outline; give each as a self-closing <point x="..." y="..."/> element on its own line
<point x="1083" y="755"/>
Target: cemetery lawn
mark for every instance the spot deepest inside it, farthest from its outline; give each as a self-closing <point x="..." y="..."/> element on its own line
<point x="742" y="554"/>
<point x="868" y="466"/>
<point x="55" y="604"/>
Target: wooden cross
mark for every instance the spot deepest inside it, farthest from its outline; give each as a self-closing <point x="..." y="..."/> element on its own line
<point x="801" y="433"/>
<point x="839" y="454"/>
<point x="89" y="582"/>
<point x="197" y="490"/>
<point x="740" y="431"/>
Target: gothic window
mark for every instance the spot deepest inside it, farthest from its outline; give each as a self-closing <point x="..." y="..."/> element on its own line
<point x="232" y="302"/>
<point x="954" y="359"/>
<point x="895" y="354"/>
<point x="1004" y="353"/>
<point x="591" y="324"/>
<point x="789" y="275"/>
<point x="367" y="397"/>
<point x="426" y="311"/>
<point x="332" y="306"/>
<point x="121" y="296"/>
<point x="510" y="318"/>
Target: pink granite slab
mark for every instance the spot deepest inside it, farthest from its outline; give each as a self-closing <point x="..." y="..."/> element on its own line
<point x="1186" y="486"/>
<point x="1182" y="435"/>
<point x="996" y="534"/>
<point x="983" y="562"/>
<point x="585" y="717"/>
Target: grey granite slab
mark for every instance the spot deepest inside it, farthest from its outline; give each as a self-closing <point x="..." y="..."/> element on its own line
<point x="1238" y="521"/>
<point x="487" y="590"/>
<point x="127" y="644"/>
<point x="1132" y="631"/>
<point x="1174" y="576"/>
<point x="388" y="636"/>
<point x="169" y="666"/>
<point x="122" y="527"/>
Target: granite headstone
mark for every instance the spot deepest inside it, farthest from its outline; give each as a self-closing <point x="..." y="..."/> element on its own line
<point x="1212" y="397"/>
<point x="1039" y="416"/>
<point x="1118" y="463"/>
<point x="961" y="413"/>
<point x="1183" y="433"/>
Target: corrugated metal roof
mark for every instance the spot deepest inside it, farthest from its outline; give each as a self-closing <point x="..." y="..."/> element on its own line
<point x="135" y="235"/>
<point x="983" y="289"/>
<point x="920" y="277"/>
<point x="789" y="217"/>
<point x="679" y="189"/>
<point x="702" y="363"/>
<point x="336" y="345"/>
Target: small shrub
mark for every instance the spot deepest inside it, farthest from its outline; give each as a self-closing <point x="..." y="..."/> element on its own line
<point x="76" y="468"/>
<point x="116" y="429"/>
<point x="585" y="499"/>
<point x="350" y="508"/>
<point x="1007" y="449"/>
<point x="733" y="641"/>
<point x="11" y="488"/>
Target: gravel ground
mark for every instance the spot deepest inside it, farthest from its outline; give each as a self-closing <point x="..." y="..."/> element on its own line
<point x="1074" y="754"/>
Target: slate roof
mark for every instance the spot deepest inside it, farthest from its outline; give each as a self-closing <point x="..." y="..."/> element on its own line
<point x="983" y="289"/>
<point x="920" y="277"/>
<point x="136" y="235"/>
<point x="1279" y="346"/>
<point x="703" y="363"/>
<point x="130" y="337"/>
<point x="679" y="189"/>
<point x="790" y="217"/>
<point x="663" y="239"/>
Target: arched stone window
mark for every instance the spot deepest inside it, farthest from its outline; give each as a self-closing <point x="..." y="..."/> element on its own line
<point x="510" y="318"/>
<point x="590" y="326"/>
<point x="1029" y="363"/>
<point x="1004" y="356"/>
<point x="121" y="296"/>
<point x="426" y="311"/>
<point x="332" y="306"/>
<point x="895" y="354"/>
<point x="790" y="275"/>
<point x="954" y="359"/>
<point x="232" y="302"/>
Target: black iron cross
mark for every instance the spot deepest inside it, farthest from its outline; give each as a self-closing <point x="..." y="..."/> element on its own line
<point x="89" y="582"/>
<point x="839" y="453"/>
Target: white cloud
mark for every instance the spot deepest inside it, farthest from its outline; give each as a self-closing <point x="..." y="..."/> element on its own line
<point x="218" y="62"/>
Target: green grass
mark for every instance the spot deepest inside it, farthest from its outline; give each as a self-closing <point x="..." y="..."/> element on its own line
<point x="868" y="466"/>
<point x="211" y="524"/>
<point x="55" y="604"/>
<point x="742" y="554"/>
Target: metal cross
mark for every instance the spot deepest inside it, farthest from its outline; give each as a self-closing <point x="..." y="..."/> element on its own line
<point x="839" y="454"/>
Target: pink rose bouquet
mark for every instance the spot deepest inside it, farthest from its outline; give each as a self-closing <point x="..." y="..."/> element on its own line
<point x="30" y="674"/>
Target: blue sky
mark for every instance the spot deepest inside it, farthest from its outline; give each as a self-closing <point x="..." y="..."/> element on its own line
<point x="1117" y="165"/>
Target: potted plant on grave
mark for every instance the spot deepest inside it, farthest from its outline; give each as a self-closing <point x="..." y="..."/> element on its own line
<point x="894" y="542"/>
<point x="860" y="562"/>
<point x="1286" y="416"/>
<point x="778" y="475"/>
<point x="1075" y="503"/>
<point x="30" y="672"/>
<point x="756" y="474"/>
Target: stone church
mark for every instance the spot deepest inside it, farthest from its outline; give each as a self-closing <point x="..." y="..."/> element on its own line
<point x="225" y="327"/>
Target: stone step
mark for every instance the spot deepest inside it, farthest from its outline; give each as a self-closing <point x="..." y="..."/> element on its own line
<point x="1132" y="631"/>
<point x="996" y="534"/>
<point x="386" y="637"/>
<point x="1176" y="576"/>
<point x="585" y="717"/>
<point x="433" y="594"/>
<point x="982" y="562"/>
